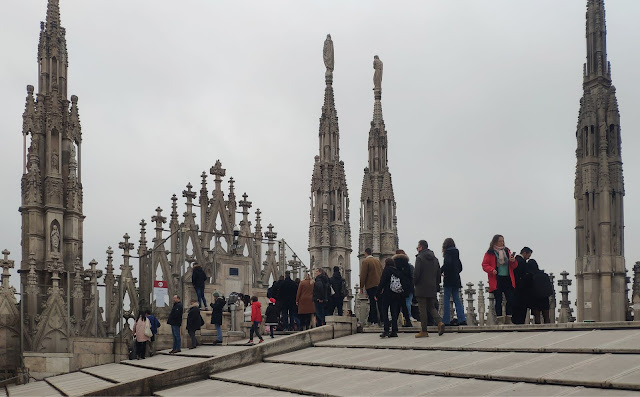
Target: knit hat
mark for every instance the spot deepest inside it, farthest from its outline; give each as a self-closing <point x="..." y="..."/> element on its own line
<point x="272" y="300"/>
<point x="216" y="294"/>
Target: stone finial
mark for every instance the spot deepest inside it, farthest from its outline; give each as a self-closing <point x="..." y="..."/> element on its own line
<point x="125" y="245"/>
<point x="244" y="203"/>
<point x="55" y="267"/>
<point x="564" y="283"/>
<point x="471" y="315"/>
<point x="32" y="277"/>
<point x="217" y="171"/>
<point x="109" y="260"/>
<point x="30" y="89"/>
<point x="327" y="54"/>
<point x="174" y="210"/>
<point x="377" y="74"/>
<point x="271" y="235"/>
<point x="258" y="227"/>
<point x="6" y="265"/>
<point x="143" y="233"/>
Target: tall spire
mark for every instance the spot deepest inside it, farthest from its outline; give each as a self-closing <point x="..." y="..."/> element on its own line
<point x="329" y="229"/>
<point x="378" y="229"/>
<point x="599" y="184"/>
<point x="53" y="14"/>
<point x="329" y="133"/>
<point x="52" y="53"/>
<point x="597" y="64"/>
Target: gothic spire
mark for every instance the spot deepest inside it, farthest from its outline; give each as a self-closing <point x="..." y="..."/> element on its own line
<point x="377" y="133"/>
<point x="329" y="133"/>
<point x="53" y="14"/>
<point x="597" y="64"/>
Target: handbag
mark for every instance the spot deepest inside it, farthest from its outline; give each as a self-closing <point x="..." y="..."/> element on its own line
<point x="147" y="329"/>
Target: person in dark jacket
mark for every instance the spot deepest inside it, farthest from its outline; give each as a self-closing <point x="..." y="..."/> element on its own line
<point x="216" y="314"/>
<point x="198" y="277"/>
<point x="339" y="285"/>
<point x="451" y="268"/>
<point x="194" y="322"/>
<point x="402" y="264"/>
<point x="155" y="324"/>
<point x="426" y="279"/>
<point x="271" y="316"/>
<point x="539" y="306"/>
<point x="391" y="300"/>
<point x="524" y="284"/>
<point x="320" y="296"/>
<point x="287" y="293"/>
<point x="175" y="321"/>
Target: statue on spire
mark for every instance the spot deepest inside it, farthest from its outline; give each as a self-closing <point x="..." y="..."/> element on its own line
<point x="327" y="54"/>
<point x="377" y="74"/>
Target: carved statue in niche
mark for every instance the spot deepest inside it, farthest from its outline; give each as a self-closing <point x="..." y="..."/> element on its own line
<point x="54" y="160"/>
<point x="339" y="213"/>
<point x="72" y="153"/>
<point x="588" y="239"/>
<point x="55" y="238"/>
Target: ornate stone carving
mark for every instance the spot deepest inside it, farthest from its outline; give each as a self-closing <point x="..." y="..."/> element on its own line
<point x="55" y="238"/>
<point x="327" y="53"/>
<point x="377" y="75"/>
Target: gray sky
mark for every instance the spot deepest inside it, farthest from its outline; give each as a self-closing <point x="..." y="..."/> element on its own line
<point x="475" y="94"/>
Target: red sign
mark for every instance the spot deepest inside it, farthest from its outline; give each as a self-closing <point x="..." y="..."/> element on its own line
<point x="160" y="284"/>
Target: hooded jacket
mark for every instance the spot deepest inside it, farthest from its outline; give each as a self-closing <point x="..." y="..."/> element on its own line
<point x="406" y="270"/>
<point x="451" y="268"/>
<point x="337" y="282"/>
<point x="384" y="288"/>
<point x="198" y="277"/>
<point x="426" y="276"/>
<point x="194" y="319"/>
<point x="216" y="310"/>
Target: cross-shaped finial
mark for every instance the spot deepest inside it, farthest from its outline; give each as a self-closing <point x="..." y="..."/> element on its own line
<point x="244" y="203"/>
<point x="271" y="235"/>
<point x="218" y="171"/>
<point x="6" y="264"/>
<point x="189" y="194"/>
<point x="204" y="179"/>
<point x="158" y="218"/>
<point x="231" y="182"/>
<point x="126" y="245"/>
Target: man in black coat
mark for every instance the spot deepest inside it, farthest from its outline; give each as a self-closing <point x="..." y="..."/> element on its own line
<point x="320" y="295"/>
<point x="198" y="277"/>
<point x="175" y="321"/>
<point x="194" y="322"/>
<point x="426" y="279"/>
<point x="524" y="283"/>
<point x="216" y="314"/>
<point x="339" y="286"/>
<point x="287" y="292"/>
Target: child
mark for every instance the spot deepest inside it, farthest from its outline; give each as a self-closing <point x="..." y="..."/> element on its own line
<point x="271" y="316"/>
<point x="256" y="319"/>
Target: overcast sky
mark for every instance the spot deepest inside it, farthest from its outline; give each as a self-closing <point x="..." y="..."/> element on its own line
<point x="480" y="100"/>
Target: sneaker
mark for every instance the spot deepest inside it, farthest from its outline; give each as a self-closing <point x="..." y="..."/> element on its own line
<point x="261" y="340"/>
<point x="177" y="351"/>
<point x="440" y="328"/>
<point x="250" y="341"/>
<point x="394" y="335"/>
<point x="463" y="323"/>
<point x="172" y="351"/>
<point x="422" y="334"/>
<point x="384" y="335"/>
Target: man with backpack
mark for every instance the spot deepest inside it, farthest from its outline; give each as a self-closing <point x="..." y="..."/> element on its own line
<point x="338" y="292"/>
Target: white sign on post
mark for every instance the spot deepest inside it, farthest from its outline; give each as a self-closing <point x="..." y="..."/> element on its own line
<point x="160" y="292"/>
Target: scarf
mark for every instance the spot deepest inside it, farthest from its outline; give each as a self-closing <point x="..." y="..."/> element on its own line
<point x="501" y="253"/>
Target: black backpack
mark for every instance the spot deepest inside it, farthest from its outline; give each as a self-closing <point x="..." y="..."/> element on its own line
<point x="542" y="287"/>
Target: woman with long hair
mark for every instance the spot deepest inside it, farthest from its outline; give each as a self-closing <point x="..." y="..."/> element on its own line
<point x="141" y="338"/>
<point x="304" y="301"/>
<point x="498" y="263"/>
<point x="451" y="268"/>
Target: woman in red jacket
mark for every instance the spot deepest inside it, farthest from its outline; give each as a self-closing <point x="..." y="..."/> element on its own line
<point x="499" y="263"/>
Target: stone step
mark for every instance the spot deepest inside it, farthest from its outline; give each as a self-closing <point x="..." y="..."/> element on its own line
<point x="77" y="383"/>
<point x="576" y="341"/>
<point x="220" y="388"/>
<point x="321" y="380"/>
<point x="39" y="388"/>
<point x="619" y="371"/>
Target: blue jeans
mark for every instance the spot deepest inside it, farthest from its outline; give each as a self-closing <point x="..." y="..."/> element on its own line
<point x="446" y="313"/>
<point x="175" y="331"/>
<point x="219" y="331"/>
<point x="408" y="302"/>
<point x="319" y="313"/>
<point x="200" y="294"/>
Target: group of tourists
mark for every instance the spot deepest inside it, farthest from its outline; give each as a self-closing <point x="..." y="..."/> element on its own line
<point x="398" y="286"/>
<point x="295" y="301"/>
<point x="519" y="279"/>
<point x="394" y="289"/>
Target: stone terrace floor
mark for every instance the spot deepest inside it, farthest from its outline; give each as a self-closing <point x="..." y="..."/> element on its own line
<point x="567" y="360"/>
<point x="515" y="363"/>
